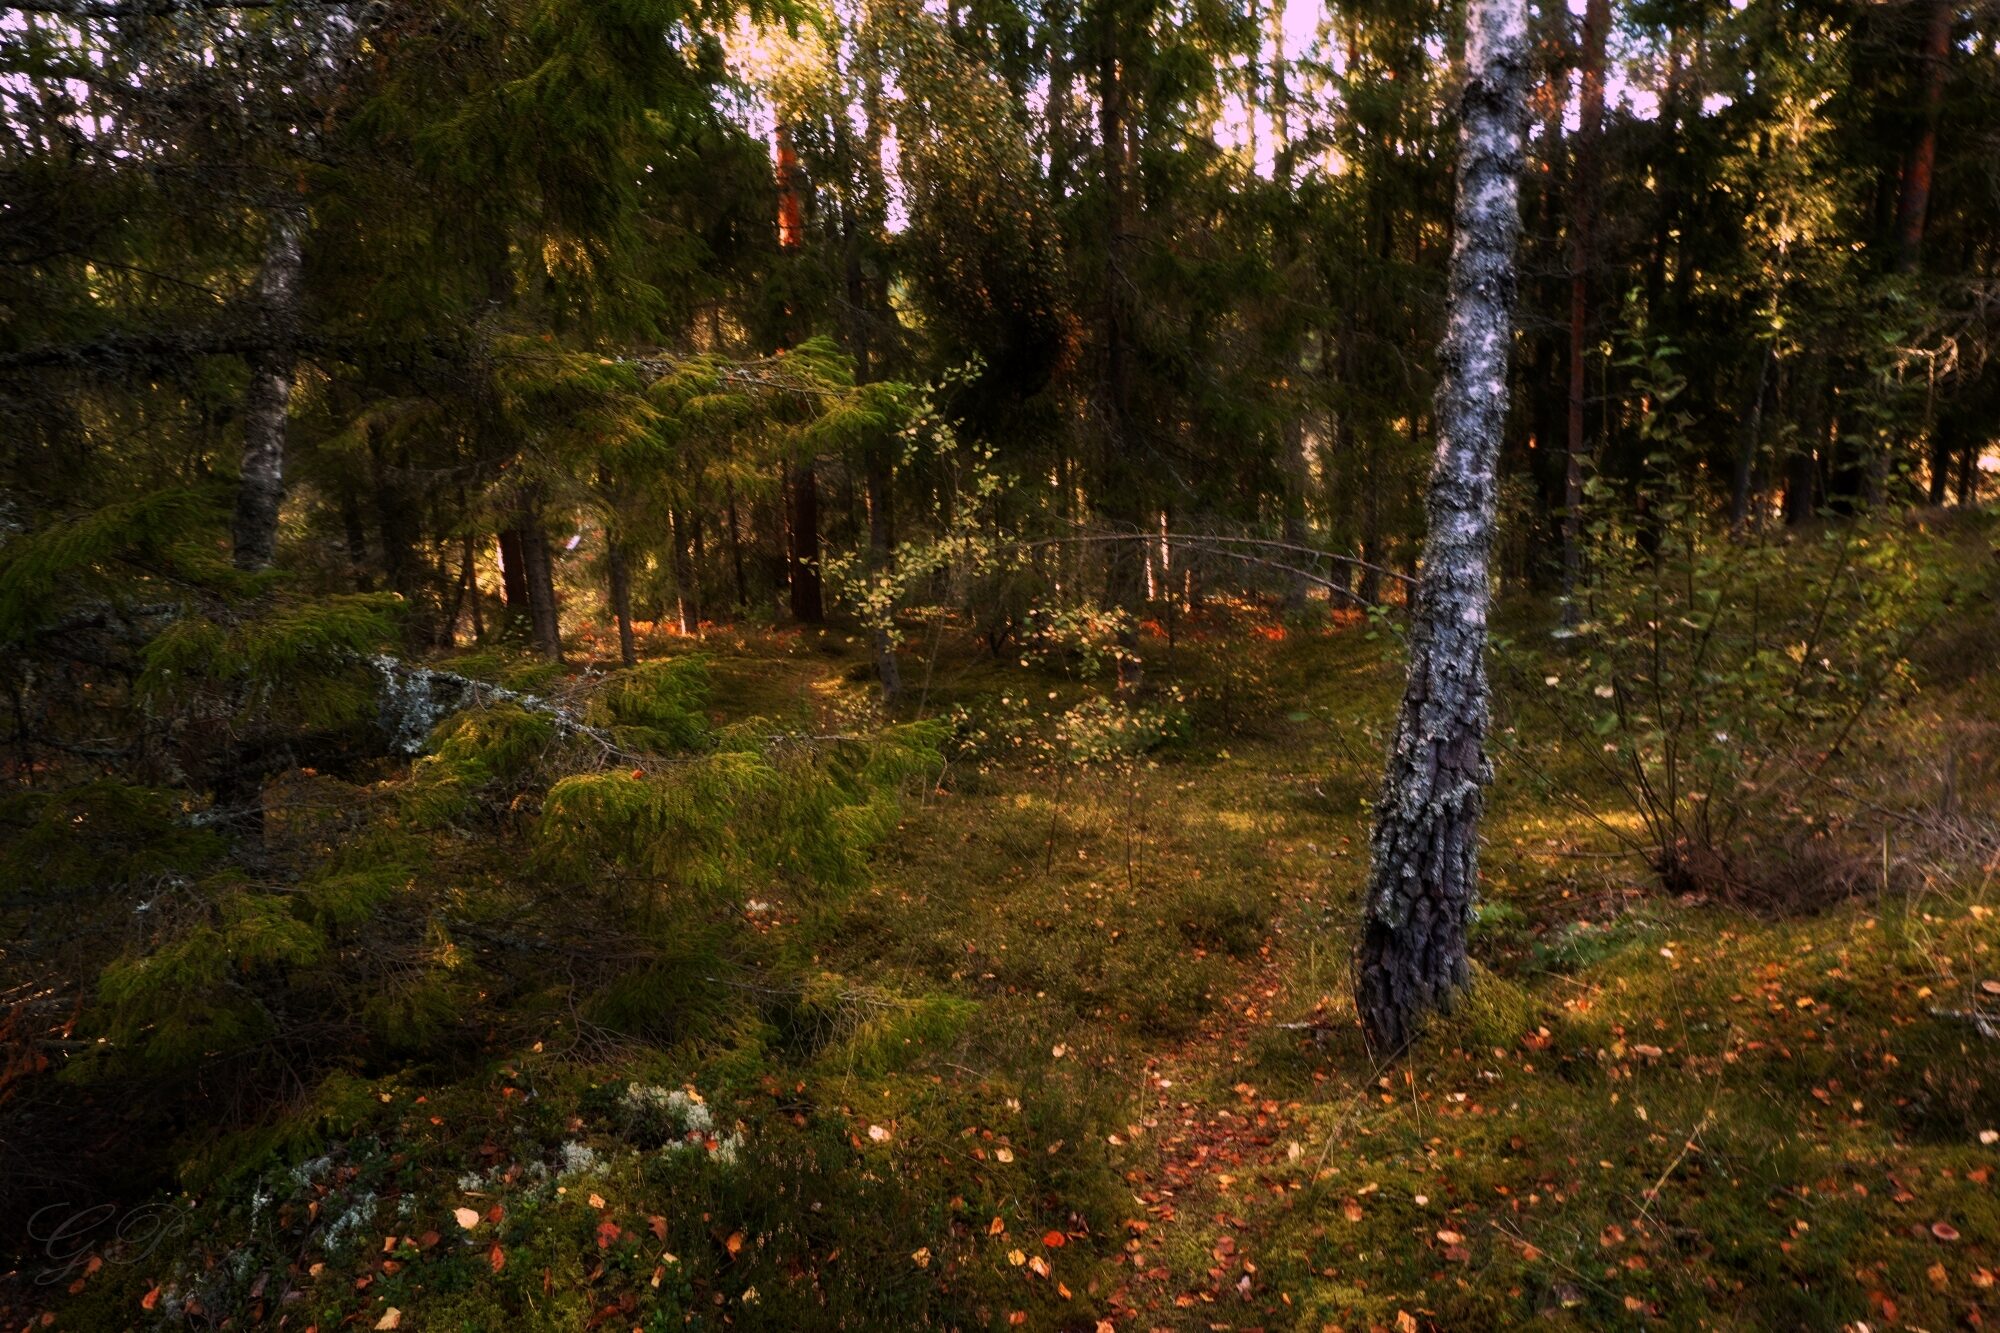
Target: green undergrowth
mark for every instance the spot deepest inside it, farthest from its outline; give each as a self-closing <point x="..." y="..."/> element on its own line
<point x="751" y="1008"/>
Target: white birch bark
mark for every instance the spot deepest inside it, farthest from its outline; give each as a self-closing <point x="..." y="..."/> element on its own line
<point x="266" y="403"/>
<point x="1425" y="863"/>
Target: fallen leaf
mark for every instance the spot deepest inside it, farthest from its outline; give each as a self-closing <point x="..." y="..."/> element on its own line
<point x="658" y="1225"/>
<point x="391" y="1318"/>
<point x="467" y="1217"/>
<point x="607" y="1234"/>
<point x="497" y="1258"/>
<point x="1038" y="1266"/>
<point x="921" y="1258"/>
<point x="1055" y="1240"/>
<point x="1004" y="1154"/>
<point x="150" y="1299"/>
<point x="879" y="1134"/>
<point x="734" y="1244"/>
<point x="1017" y="1257"/>
<point x="1944" y="1231"/>
<point x="995" y="1227"/>
<point x="596" y="1201"/>
<point x="1449" y="1237"/>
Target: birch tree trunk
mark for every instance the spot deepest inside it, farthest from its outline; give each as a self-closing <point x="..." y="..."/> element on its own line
<point x="1411" y="958"/>
<point x="262" y="489"/>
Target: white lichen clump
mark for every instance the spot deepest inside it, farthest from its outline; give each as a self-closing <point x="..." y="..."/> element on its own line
<point x="680" y="1118"/>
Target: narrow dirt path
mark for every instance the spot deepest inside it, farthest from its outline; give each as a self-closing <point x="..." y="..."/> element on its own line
<point x="1218" y="1139"/>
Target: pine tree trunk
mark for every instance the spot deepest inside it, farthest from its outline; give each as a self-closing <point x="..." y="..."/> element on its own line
<point x="1753" y="442"/>
<point x="687" y="601"/>
<point x="1425" y="846"/>
<point x="1117" y="499"/>
<point x="1913" y="199"/>
<point x="1943" y="448"/>
<point x="538" y="581"/>
<point x="357" y="541"/>
<point x="618" y="575"/>
<point x="735" y="545"/>
<point x="1297" y="468"/>
<point x="261" y="492"/>
<point x="1583" y="226"/>
<point x="513" y="572"/>
<point x="803" y="555"/>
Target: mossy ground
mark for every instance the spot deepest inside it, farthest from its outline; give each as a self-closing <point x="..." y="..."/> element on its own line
<point x="1078" y="1051"/>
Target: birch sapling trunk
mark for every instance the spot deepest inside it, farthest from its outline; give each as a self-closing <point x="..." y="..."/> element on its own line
<point x="1411" y="958"/>
<point x="261" y="492"/>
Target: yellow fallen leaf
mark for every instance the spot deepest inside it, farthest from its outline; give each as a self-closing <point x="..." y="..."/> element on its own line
<point x="467" y="1217"/>
<point x="392" y="1318"/>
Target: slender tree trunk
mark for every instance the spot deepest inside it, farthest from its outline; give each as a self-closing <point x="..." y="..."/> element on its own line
<point x="791" y="211"/>
<point x="261" y="492"/>
<point x="1913" y="200"/>
<point x="618" y="575"/>
<point x="1369" y="590"/>
<point x="1061" y="82"/>
<point x="468" y="585"/>
<point x="357" y="541"/>
<point x="1297" y="469"/>
<point x="399" y="530"/>
<point x="687" y="602"/>
<point x="1943" y="441"/>
<point x="880" y="483"/>
<point x="1753" y="441"/>
<point x="803" y="554"/>
<point x="538" y="581"/>
<point x="1117" y="492"/>
<point x="736" y="546"/>
<point x="1583" y="226"/>
<point x="1425" y="870"/>
<point x="513" y="572"/>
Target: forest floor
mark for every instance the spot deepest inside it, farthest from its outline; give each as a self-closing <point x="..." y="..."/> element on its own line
<point x="1078" y="1054"/>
